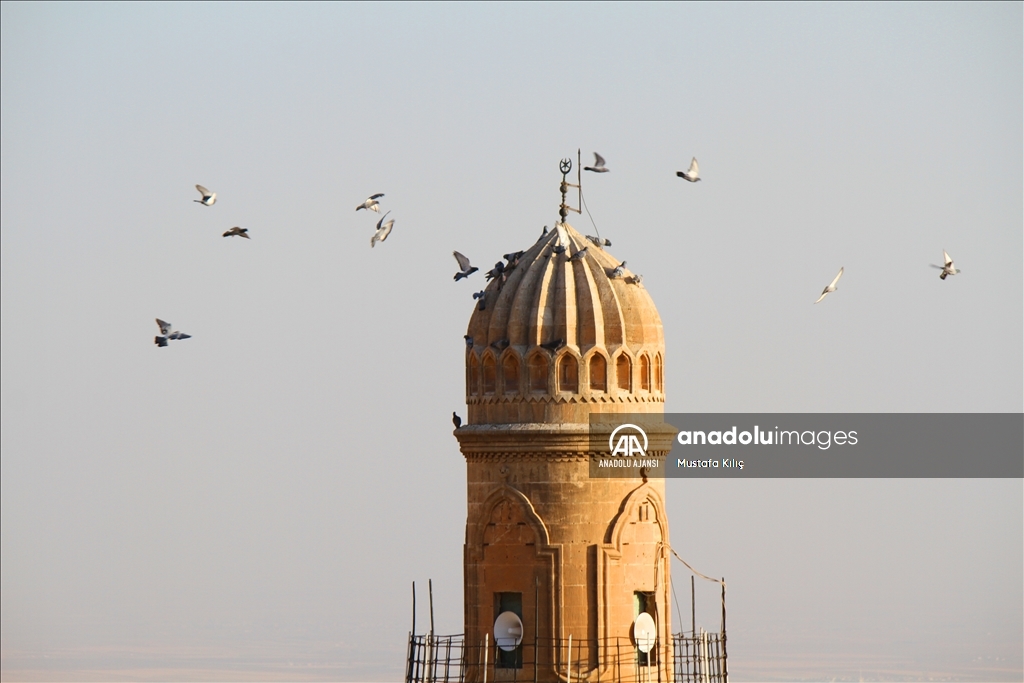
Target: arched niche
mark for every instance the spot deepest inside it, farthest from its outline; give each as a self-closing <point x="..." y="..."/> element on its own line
<point x="488" y="375"/>
<point x="623" y="373"/>
<point x="538" y="366"/>
<point x="510" y="373"/>
<point x="568" y="373"/>
<point x="598" y="373"/>
<point x="645" y="373"/>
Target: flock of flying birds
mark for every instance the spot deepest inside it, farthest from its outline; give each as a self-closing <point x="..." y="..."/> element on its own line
<point x="500" y="270"/>
<point x="167" y="331"/>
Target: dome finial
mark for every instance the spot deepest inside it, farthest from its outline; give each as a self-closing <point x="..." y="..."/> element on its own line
<point x="565" y="166"/>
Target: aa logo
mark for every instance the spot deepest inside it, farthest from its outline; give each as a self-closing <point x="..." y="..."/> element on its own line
<point x="628" y="444"/>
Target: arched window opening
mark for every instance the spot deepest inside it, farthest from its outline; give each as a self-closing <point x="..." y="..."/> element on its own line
<point x="473" y="377"/>
<point x="659" y="376"/>
<point x="598" y="373"/>
<point x="538" y="373"/>
<point x="624" y="373"/>
<point x="489" y="374"/>
<point x="510" y="366"/>
<point x="568" y="374"/>
<point x="645" y="373"/>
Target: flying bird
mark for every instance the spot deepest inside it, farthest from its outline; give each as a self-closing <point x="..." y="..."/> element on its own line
<point x="948" y="268"/>
<point x="465" y="270"/>
<point x="168" y="332"/>
<point x="209" y="198"/>
<point x="237" y="232"/>
<point x="693" y="174"/>
<point x="371" y="203"/>
<point x="456" y="420"/>
<point x="578" y="256"/>
<point x="831" y="286"/>
<point x="383" y="230"/>
<point x="599" y="241"/>
<point x="598" y="166"/>
<point x="619" y="270"/>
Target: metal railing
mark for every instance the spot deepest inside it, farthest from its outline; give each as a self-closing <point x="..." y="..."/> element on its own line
<point x="689" y="658"/>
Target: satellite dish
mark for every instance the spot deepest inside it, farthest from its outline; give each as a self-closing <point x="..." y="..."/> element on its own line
<point x="508" y="631"/>
<point x="645" y="633"/>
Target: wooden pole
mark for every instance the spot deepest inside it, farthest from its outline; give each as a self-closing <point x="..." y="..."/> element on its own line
<point x="725" y="655"/>
<point x="412" y="638"/>
<point x="430" y="590"/>
<point x="430" y="638"/>
<point x="693" y="608"/>
<point x="487" y="643"/>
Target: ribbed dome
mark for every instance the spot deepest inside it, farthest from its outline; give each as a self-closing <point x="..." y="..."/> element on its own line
<point x="559" y="339"/>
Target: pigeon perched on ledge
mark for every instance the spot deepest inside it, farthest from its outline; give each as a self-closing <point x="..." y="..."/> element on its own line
<point x="578" y="256"/>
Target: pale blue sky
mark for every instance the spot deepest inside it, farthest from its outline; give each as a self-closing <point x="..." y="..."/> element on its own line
<point x="287" y="472"/>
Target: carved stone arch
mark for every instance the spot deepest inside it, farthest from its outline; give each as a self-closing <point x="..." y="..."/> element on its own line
<point x="538" y="369"/>
<point x="644" y="369"/>
<point x="472" y="375"/>
<point x="488" y="374"/>
<point x="624" y="371"/>
<point x="507" y="494"/>
<point x="630" y="511"/>
<point x="567" y="366"/>
<point x="634" y="556"/>
<point x="596" y="364"/>
<point x="508" y="549"/>
<point x="511" y="372"/>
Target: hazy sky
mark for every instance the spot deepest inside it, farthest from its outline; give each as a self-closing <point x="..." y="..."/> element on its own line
<point x="257" y="499"/>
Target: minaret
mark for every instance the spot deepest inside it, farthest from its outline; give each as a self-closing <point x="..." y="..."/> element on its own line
<point x="556" y="340"/>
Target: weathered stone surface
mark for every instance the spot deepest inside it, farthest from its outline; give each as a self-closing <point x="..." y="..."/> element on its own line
<point x="578" y="548"/>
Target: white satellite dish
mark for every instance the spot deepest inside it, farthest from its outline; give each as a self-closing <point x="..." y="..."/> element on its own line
<point x="508" y="631"/>
<point x="645" y="633"/>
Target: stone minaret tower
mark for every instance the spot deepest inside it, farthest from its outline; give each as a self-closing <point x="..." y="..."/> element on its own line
<point x="556" y="342"/>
